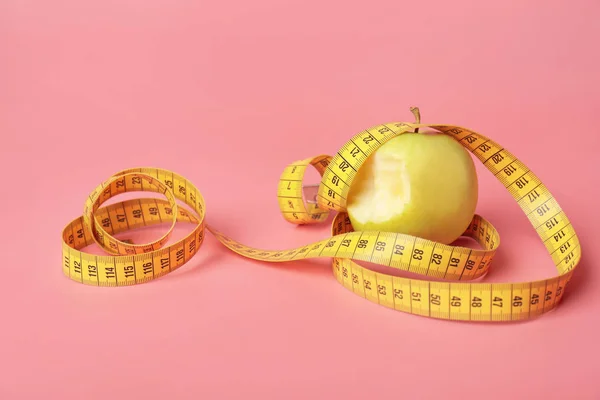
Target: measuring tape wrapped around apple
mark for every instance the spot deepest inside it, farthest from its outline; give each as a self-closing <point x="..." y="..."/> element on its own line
<point x="377" y="221"/>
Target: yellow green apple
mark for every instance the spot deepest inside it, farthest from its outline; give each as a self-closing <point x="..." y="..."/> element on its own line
<point x="419" y="183"/>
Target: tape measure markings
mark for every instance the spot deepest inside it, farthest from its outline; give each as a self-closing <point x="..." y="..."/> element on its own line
<point x="129" y="263"/>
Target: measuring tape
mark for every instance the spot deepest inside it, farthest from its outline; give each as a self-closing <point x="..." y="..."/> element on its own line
<point x="449" y="296"/>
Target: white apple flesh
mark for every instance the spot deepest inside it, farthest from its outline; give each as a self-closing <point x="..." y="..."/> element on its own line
<point x="422" y="184"/>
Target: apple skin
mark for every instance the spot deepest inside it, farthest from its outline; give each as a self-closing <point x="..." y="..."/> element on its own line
<point x="422" y="184"/>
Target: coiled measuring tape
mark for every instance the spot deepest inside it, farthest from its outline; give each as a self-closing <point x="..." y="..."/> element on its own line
<point x="450" y="296"/>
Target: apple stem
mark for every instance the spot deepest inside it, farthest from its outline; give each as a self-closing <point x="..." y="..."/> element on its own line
<point x="417" y="114"/>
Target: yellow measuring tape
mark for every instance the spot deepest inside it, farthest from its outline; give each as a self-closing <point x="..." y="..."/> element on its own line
<point x="453" y="298"/>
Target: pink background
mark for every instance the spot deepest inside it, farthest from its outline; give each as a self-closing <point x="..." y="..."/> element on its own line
<point x="234" y="90"/>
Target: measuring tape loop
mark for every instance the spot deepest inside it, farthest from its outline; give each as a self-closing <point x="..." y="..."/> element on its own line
<point x="446" y="292"/>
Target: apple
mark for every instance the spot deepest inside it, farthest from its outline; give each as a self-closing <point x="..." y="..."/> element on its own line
<point x="418" y="183"/>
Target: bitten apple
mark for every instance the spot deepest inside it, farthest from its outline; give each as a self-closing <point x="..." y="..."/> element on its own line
<point x="422" y="184"/>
